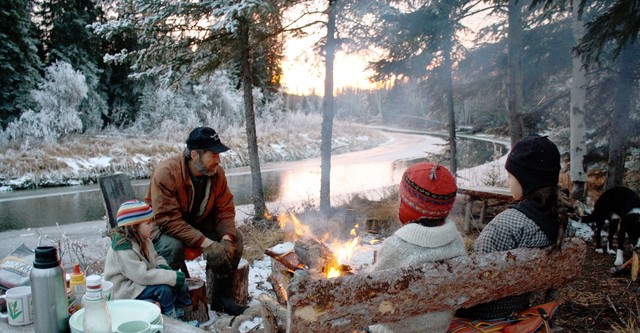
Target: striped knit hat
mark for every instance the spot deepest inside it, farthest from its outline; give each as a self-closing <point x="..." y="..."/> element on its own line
<point x="427" y="192"/>
<point x="134" y="212"/>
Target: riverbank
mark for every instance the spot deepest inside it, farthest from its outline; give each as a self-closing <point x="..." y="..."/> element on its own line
<point x="81" y="159"/>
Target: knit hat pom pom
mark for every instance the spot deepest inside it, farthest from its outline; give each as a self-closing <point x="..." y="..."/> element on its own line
<point x="427" y="192"/>
<point x="134" y="212"/>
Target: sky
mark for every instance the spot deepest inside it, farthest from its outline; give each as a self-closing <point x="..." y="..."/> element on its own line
<point x="304" y="73"/>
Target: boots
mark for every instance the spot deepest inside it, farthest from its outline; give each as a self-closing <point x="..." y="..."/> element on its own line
<point x="222" y="301"/>
<point x="225" y="303"/>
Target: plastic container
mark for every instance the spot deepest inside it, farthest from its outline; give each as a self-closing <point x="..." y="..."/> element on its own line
<point x="49" y="292"/>
<point x="96" y="312"/>
<point x="77" y="286"/>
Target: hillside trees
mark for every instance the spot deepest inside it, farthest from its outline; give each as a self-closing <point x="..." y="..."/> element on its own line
<point x="20" y="70"/>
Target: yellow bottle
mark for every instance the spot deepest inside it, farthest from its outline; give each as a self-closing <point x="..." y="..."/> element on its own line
<point x="78" y="285"/>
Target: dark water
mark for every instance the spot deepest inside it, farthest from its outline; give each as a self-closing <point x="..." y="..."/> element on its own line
<point x="294" y="183"/>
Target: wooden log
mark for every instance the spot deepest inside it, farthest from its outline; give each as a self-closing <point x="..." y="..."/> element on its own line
<point x="240" y="291"/>
<point x="198" y="309"/>
<point x="486" y="192"/>
<point x="314" y="254"/>
<point x="274" y="316"/>
<point x="356" y="301"/>
<point x="279" y="278"/>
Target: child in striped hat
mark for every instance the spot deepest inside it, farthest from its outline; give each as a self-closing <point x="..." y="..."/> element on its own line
<point x="134" y="267"/>
<point x="427" y="193"/>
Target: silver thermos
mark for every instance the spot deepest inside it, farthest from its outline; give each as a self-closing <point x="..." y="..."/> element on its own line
<point x="49" y="294"/>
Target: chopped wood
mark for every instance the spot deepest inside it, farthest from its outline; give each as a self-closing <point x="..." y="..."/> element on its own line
<point x="282" y="258"/>
<point x="314" y="254"/>
<point x="357" y="301"/>
<point x="274" y="316"/>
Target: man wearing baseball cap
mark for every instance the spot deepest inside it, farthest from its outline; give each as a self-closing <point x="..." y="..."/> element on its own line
<point x="194" y="213"/>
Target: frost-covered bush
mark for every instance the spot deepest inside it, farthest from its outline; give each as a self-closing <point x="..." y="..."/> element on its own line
<point x="58" y="98"/>
<point x="162" y="105"/>
<point x="222" y="104"/>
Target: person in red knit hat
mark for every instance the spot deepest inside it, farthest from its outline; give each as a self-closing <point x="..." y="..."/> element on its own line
<point x="427" y="193"/>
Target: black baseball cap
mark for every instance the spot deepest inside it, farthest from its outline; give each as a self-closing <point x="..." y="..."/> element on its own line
<point x="205" y="138"/>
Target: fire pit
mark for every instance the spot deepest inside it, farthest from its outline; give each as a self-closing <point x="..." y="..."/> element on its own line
<point x="304" y="251"/>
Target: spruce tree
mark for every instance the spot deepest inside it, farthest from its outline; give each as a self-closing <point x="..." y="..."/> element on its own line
<point x="20" y="65"/>
<point x="68" y="37"/>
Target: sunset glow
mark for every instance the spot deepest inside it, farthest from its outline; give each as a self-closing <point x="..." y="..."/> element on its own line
<point x="304" y="72"/>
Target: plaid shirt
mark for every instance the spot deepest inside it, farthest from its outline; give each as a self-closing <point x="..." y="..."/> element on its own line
<point x="508" y="230"/>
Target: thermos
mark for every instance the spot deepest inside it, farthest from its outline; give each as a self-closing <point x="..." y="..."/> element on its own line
<point x="49" y="292"/>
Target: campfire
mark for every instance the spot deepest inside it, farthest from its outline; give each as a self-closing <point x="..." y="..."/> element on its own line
<point x="323" y="256"/>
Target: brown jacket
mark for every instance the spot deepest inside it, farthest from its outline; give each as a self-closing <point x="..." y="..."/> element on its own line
<point x="171" y="196"/>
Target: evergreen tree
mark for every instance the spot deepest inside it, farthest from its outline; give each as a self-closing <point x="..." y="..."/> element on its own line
<point x="69" y="38"/>
<point x="19" y="72"/>
<point x="194" y="39"/>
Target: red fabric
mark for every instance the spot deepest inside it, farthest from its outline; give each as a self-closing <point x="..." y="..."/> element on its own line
<point x="427" y="191"/>
<point x="191" y="253"/>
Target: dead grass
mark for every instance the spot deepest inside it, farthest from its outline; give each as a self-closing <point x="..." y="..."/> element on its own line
<point x="73" y="158"/>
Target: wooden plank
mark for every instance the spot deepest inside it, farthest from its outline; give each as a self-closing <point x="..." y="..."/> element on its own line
<point x="357" y="301"/>
<point x="115" y="189"/>
<point x="486" y="192"/>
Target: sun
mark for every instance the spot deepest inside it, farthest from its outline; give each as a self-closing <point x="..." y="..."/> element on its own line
<point x="303" y="70"/>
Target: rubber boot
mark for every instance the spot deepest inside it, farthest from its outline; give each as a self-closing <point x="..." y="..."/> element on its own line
<point x="222" y="300"/>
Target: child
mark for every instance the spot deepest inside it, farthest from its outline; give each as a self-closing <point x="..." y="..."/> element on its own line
<point x="537" y="218"/>
<point x="134" y="267"/>
<point x="427" y="193"/>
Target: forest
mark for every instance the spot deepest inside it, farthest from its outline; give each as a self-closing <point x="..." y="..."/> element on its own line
<point x="566" y="69"/>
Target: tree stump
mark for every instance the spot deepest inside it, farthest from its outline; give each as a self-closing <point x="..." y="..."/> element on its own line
<point x="241" y="283"/>
<point x="198" y="309"/>
<point x="240" y="290"/>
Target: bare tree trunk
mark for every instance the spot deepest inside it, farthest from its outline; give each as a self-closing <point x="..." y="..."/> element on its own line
<point x="620" y="118"/>
<point x="578" y="145"/>
<point x="327" y="115"/>
<point x="448" y="86"/>
<point x="257" y="193"/>
<point x="515" y="97"/>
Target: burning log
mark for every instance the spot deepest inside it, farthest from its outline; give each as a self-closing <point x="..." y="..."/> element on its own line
<point x="356" y="301"/>
<point x="315" y="255"/>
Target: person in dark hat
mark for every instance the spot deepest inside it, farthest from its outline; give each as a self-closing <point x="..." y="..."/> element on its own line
<point x="427" y="194"/>
<point x="194" y="213"/>
<point x="536" y="218"/>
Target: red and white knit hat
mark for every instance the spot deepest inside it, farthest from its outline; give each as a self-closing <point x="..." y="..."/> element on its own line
<point x="427" y="192"/>
<point x="133" y="212"/>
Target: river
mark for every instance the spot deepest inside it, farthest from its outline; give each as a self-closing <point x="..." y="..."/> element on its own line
<point x="366" y="172"/>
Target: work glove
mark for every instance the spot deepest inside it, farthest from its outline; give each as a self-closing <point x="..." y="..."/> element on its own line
<point x="217" y="259"/>
<point x="229" y="247"/>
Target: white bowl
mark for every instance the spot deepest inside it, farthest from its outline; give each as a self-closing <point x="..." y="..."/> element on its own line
<point x="122" y="311"/>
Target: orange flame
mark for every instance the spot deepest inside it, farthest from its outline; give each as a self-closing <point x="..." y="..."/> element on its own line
<point x="343" y="253"/>
<point x="293" y="228"/>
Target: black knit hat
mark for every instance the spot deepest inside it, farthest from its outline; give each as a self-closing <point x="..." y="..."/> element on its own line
<point x="535" y="162"/>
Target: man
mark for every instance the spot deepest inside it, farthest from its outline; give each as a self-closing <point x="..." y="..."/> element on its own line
<point x="194" y="209"/>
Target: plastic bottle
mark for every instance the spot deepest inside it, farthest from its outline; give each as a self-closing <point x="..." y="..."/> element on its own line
<point x="49" y="292"/>
<point x="96" y="312"/>
<point x="77" y="285"/>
